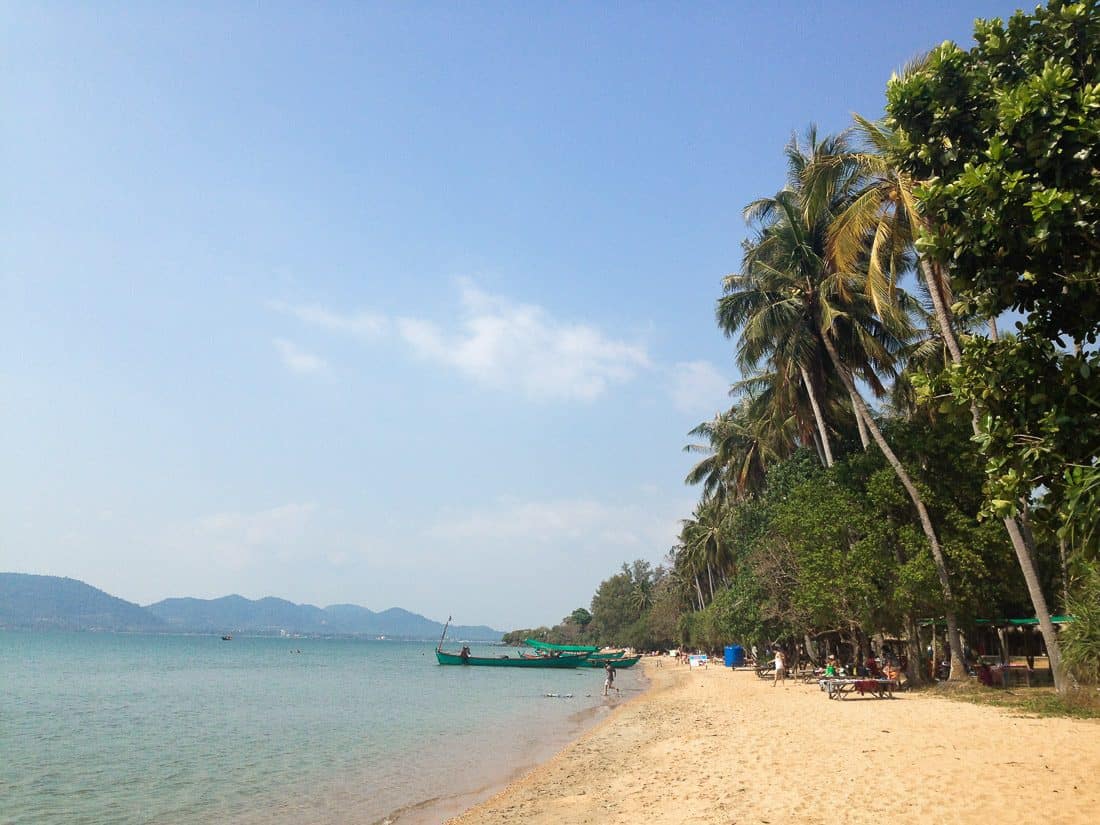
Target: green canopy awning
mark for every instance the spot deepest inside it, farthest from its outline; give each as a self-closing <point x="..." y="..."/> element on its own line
<point x="1000" y="622"/>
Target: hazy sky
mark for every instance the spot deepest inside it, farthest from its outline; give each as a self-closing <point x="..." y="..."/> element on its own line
<point x="395" y="304"/>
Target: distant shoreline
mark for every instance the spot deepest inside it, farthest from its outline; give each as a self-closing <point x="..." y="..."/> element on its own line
<point x="237" y="634"/>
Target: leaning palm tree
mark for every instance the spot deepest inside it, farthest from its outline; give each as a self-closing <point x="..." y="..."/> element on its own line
<point x="885" y="216"/>
<point x="792" y="302"/>
<point x="689" y="560"/>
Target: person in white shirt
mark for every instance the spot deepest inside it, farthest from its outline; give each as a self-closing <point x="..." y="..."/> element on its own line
<point x="780" y="667"/>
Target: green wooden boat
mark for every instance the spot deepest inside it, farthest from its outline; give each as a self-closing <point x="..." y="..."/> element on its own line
<point x="445" y="658"/>
<point x="626" y="661"/>
<point x="614" y="654"/>
<point x="535" y="643"/>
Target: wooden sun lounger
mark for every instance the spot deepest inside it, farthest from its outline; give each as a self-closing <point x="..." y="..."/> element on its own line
<point x="840" y="688"/>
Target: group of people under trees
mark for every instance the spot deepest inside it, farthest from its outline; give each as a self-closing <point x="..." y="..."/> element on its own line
<point x="886" y="667"/>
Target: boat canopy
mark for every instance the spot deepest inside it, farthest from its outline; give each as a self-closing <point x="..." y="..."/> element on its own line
<point x="567" y="648"/>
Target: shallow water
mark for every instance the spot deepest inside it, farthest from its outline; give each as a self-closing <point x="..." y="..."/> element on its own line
<point x="180" y="729"/>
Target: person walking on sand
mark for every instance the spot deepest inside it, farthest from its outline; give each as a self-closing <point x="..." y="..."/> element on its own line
<point x="609" y="682"/>
<point x="780" y="668"/>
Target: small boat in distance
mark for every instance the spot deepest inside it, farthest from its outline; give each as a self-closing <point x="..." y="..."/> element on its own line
<point x="227" y="638"/>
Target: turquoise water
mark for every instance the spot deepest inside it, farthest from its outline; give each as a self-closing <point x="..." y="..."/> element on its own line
<point x="183" y="729"/>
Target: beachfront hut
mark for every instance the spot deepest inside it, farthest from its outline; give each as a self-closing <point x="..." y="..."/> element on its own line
<point x="1002" y="640"/>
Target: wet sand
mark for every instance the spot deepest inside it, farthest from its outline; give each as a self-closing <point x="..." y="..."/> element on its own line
<point x="721" y="746"/>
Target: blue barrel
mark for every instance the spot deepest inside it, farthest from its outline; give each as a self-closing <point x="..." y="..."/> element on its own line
<point x="735" y="655"/>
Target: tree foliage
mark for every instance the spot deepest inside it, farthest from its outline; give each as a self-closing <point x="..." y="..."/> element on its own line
<point x="820" y="514"/>
<point x="1005" y="138"/>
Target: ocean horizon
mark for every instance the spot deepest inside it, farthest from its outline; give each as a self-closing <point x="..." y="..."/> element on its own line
<point x="135" y="728"/>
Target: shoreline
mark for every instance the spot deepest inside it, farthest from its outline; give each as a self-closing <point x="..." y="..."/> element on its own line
<point x="716" y="746"/>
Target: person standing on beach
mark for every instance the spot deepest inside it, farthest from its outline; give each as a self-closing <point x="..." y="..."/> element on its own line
<point x="780" y="667"/>
<point x="609" y="682"/>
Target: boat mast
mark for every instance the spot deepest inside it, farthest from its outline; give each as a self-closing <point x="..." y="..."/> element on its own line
<point x="439" y="646"/>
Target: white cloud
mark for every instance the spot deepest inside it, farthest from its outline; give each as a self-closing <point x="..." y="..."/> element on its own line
<point x="497" y="343"/>
<point x="520" y="346"/>
<point x="237" y="540"/>
<point x="298" y="360"/>
<point x="698" y="388"/>
<point x="360" y="325"/>
<point x="577" y="521"/>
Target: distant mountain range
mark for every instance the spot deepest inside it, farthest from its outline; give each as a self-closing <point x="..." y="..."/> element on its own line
<point x="51" y="602"/>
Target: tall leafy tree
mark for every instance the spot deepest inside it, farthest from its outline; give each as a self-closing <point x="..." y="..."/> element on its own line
<point x="1004" y="138"/>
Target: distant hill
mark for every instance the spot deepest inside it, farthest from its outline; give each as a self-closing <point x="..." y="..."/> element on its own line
<point x="50" y="602"/>
<point x="46" y="602"/>
<point x="270" y="615"/>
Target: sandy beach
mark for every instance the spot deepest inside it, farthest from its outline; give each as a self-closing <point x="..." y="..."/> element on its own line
<point x="722" y="746"/>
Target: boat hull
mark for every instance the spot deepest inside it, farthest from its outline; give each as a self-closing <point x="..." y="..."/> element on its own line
<point x="626" y="661"/>
<point x="508" y="661"/>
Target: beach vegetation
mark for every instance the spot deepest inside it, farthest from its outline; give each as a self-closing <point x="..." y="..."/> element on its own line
<point x="1081" y="638"/>
<point x="912" y="445"/>
<point x="1002" y="139"/>
<point x="1033" y="702"/>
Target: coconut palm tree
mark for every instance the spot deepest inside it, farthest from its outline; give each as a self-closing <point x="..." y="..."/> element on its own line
<point x="740" y="443"/>
<point x="885" y="215"/>
<point x="763" y="305"/>
<point x="792" y="302"/>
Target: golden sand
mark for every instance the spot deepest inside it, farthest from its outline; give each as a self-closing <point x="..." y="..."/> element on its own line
<point x="722" y="746"/>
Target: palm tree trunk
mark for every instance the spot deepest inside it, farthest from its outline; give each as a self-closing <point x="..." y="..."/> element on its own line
<point x="817" y="416"/>
<point x="958" y="663"/>
<point x="1025" y="550"/>
<point x="710" y="580"/>
<point x="933" y="280"/>
<point x="863" y="438"/>
<point x="1065" y="572"/>
<point x="914" y="651"/>
<point x="699" y="590"/>
<point x="994" y="336"/>
<point x="1039" y="602"/>
<point x="817" y="448"/>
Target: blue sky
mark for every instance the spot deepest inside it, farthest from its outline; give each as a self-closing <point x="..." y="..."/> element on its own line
<point x="392" y="304"/>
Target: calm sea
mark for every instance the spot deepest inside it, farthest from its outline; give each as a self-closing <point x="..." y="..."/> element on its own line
<point x="98" y="728"/>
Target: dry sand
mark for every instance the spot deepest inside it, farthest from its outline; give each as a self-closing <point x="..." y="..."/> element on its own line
<point x="722" y="746"/>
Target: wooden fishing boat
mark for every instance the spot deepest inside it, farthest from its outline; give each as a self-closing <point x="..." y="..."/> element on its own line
<point x="445" y="658"/>
<point x="611" y="654"/>
<point x="615" y="654"/>
<point x="556" y="659"/>
<point x="535" y="643"/>
<point x="626" y="661"/>
<point x="593" y="652"/>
